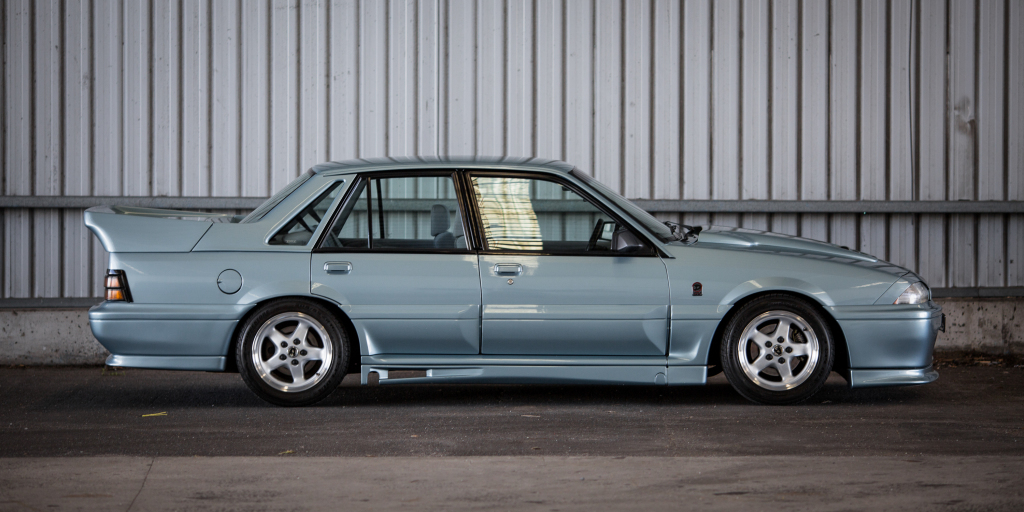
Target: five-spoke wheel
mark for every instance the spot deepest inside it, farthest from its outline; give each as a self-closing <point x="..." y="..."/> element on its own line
<point x="777" y="349"/>
<point x="292" y="352"/>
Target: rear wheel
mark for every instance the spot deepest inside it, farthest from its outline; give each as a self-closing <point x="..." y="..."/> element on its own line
<point x="292" y="352"/>
<point x="777" y="350"/>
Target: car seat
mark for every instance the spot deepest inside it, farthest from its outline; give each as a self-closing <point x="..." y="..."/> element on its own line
<point x="440" y="221"/>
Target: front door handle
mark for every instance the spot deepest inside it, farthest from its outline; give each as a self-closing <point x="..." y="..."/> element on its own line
<point x="338" y="267"/>
<point x="508" y="269"/>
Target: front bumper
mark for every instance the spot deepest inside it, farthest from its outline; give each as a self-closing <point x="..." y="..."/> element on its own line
<point x="877" y="378"/>
<point x="890" y="337"/>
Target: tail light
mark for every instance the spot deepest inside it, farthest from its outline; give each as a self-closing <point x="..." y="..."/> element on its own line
<point x="116" y="285"/>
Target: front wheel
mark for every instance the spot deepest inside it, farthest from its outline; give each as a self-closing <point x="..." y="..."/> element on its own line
<point x="292" y="352"/>
<point x="777" y="350"/>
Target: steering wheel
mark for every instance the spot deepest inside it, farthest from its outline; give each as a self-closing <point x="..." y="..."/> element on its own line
<point x="596" y="235"/>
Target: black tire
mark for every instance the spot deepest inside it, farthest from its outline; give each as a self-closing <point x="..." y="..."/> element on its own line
<point x="312" y="379"/>
<point x="753" y="367"/>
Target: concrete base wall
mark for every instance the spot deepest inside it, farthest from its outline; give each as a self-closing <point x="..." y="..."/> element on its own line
<point x="992" y="326"/>
<point x="62" y="336"/>
<point x="48" y="337"/>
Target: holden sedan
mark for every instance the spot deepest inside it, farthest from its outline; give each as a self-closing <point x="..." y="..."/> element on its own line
<point x="496" y="271"/>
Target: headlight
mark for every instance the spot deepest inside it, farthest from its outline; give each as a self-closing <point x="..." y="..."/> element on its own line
<point x="916" y="293"/>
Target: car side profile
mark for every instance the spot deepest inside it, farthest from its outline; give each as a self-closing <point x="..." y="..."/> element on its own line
<point x="496" y="270"/>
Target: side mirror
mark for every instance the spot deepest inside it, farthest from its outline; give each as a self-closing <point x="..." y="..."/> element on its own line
<point x="625" y="242"/>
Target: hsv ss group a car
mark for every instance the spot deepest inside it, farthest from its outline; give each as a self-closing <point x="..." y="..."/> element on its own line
<point x="496" y="271"/>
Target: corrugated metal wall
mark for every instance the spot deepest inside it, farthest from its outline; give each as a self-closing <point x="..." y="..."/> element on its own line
<point x="723" y="99"/>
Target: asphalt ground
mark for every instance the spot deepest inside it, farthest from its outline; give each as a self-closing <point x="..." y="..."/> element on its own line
<point x="969" y="411"/>
<point x="89" y="438"/>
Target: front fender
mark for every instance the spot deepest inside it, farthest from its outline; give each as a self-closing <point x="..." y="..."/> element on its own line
<point x="779" y="284"/>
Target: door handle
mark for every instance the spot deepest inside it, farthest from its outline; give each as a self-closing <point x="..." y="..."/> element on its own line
<point x="508" y="269"/>
<point x="338" y="267"/>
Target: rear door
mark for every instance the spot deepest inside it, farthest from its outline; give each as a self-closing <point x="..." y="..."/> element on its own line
<point x="396" y="259"/>
<point x="552" y="282"/>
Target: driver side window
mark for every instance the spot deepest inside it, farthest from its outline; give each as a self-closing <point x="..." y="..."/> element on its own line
<point x="534" y="214"/>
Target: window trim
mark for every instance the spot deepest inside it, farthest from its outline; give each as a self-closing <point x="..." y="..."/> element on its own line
<point x="653" y="250"/>
<point x="325" y="189"/>
<point x="366" y="178"/>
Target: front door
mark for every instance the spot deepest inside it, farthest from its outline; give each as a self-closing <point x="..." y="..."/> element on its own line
<point x="552" y="280"/>
<point x="397" y="261"/>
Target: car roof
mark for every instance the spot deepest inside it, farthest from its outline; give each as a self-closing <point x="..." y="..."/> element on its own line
<point x="505" y="163"/>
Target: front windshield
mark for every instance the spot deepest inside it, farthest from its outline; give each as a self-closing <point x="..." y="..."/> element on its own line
<point x="269" y="204"/>
<point x="655" y="226"/>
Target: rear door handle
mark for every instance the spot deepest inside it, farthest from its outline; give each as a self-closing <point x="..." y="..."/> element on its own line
<point x="338" y="267"/>
<point x="508" y="269"/>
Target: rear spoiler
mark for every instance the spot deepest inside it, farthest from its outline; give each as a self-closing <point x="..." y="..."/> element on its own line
<point x="127" y="229"/>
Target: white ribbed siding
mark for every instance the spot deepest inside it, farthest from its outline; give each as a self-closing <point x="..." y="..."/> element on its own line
<point x="723" y="99"/>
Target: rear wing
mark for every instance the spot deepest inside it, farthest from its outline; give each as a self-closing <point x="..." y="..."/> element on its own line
<point x="126" y="229"/>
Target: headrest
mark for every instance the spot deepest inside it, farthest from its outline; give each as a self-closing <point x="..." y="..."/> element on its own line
<point x="457" y="229"/>
<point x="439" y="219"/>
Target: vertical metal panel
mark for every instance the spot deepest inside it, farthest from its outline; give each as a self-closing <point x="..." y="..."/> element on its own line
<point x="962" y="133"/>
<point x="461" y="78"/>
<point x="254" y="150"/>
<point x="17" y="262"/>
<point x="1015" y="141"/>
<point x="725" y="46"/>
<point x="696" y="100"/>
<point x="136" y="92"/>
<point x="725" y="74"/>
<point x="519" y="99"/>
<point x="18" y="259"/>
<point x="401" y="72"/>
<point x="785" y="128"/>
<point x="76" y="258"/>
<point x="843" y="119"/>
<point x="785" y="162"/>
<point x="814" y="34"/>
<point x="318" y="60"/>
<point x="490" y="70"/>
<point x="608" y="90"/>
<point x="873" y="166"/>
<point x="343" y="121"/>
<point x="579" y="84"/>
<point x="225" y="88"/>
<point x="550" y="78"/>
<point x="195" y="87"/>
<point x="902" y="239"/>
<point x="166" y="87"/>
<point x="991" y="161"/>
<point x="754" y="108"/>
<point x="284" y="109"/>
<point x="665" y="177"/>
<point x="312" y="136"/>
<point x="18" y="92"/>
<point x="47" y="154"/>
<point x="658" y="98"/>
<point x="931" y="138"/>
<point x="636" y="111"/>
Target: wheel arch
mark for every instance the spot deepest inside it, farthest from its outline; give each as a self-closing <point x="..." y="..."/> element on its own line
<point x="842" y="352"/>
<point x="346" y="323"/>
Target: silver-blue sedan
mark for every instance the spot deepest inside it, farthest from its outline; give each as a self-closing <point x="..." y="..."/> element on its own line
<point x="496" y="271"/>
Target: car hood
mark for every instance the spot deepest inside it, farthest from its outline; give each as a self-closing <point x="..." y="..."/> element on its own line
<point x="749" y="239"/>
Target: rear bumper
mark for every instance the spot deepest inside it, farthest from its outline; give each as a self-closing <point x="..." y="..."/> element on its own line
<point x="169" y="336"/>
<point x="199" y="363"/>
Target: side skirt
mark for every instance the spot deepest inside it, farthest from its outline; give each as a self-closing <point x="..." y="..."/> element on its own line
<point x="519" y="370"/>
